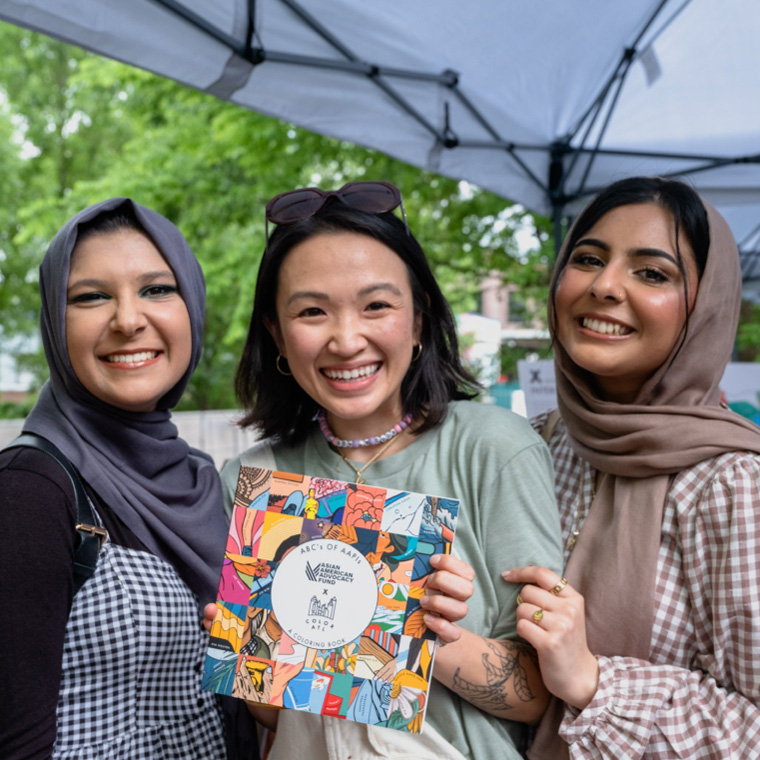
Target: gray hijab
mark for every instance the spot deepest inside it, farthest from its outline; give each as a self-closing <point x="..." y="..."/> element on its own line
<point x="165" y="492"/>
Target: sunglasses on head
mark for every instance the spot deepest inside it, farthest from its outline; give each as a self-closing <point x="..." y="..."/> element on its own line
<point x="372" y="197"/>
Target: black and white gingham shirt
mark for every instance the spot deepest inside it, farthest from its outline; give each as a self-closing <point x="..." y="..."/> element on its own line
<point x="698" y="696"/>
<point x="132" y="663"/>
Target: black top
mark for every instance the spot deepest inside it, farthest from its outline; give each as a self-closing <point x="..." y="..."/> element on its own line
<point x="37" y="538"/>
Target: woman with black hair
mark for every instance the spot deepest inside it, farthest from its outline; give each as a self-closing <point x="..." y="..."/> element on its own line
<point x="351" y="371"/>
<point x="649" y="640"/>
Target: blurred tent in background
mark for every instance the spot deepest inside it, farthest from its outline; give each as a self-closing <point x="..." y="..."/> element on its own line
<point x="539" y="102"/>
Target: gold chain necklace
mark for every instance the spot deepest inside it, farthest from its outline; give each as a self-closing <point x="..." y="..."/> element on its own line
<point x="576" y="529"/>
<point x="360" y="470"/>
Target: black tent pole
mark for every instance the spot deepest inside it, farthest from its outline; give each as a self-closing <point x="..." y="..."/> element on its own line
<point x="558" y="232"/>
<point x="556" y="190"/>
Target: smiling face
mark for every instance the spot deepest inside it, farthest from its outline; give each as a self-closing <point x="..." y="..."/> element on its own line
<point x="128" y="331"/>
<point x="346" y="324"/>
<point x="620" y="304"/>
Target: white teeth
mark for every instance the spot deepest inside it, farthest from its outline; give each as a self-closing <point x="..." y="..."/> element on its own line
<point x="604" y="328"/>
<point x="351" y="374"/>
<point x="143" y="356"/>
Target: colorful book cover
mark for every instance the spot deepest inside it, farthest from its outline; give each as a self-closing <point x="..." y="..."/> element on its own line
<point x="318" y="603"/>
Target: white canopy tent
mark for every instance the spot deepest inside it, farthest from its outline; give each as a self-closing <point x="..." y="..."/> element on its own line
<point x="540" y="102"/>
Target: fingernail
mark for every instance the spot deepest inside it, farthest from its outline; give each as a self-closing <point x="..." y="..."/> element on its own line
<point x="435" y="559"/>
<point x="424" y="600"/>
<point x="507" y="574"/>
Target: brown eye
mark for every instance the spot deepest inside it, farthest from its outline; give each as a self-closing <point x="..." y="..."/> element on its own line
<point x="653" y="275"/>
<point x="158" y="291"/>
<point x="312" y="311"/>
<point x="586" y="259"/>
<point x="88" y="297"/>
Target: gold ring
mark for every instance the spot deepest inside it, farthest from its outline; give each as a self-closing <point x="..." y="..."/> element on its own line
<point x="519" y="600"/>
<point x="557" y="590"/>
<point x="538" y="616"/>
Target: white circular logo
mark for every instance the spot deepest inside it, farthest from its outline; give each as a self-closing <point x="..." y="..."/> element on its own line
<point x="324" y="593"/>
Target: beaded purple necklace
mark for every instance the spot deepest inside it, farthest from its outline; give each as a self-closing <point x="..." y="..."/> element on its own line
<point x="342" y="443"/>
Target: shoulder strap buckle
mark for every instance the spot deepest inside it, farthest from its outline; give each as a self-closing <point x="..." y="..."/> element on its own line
<point x="94" y="530"/>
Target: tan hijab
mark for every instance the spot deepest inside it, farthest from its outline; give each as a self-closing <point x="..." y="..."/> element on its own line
<point x="674" y="423"/>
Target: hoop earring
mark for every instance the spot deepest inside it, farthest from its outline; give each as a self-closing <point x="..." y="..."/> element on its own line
<point x="279" y="368"/>
<point x="417" y="352"/>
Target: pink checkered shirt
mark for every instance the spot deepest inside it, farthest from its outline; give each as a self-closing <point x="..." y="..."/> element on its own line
<point x="698" y="696"/>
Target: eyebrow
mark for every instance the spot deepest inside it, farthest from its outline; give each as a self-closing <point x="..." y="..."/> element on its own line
<point x="94" y="282"/>
<point x="380" y="286"/>
<point x="366" y="291"/>
<point x="636" y="252"/>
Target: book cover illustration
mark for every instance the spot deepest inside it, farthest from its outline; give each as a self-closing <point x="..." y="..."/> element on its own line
<point x="318" y="602"/>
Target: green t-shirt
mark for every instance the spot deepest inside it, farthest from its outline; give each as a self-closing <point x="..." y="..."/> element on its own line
<point x="501" y="471"/>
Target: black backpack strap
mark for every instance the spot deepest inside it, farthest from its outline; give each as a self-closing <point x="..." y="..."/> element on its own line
<point x="90" y="535"/>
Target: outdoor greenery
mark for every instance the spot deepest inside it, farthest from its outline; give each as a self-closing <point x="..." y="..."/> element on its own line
<point x="748" y="334"/>
<point x="76" y="128"/>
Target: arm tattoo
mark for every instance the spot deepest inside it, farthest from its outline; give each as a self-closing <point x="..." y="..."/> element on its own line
<point x="498" y="671"/>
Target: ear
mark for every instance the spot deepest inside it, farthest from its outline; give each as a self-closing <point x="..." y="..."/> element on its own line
<point x="274" y="331"/>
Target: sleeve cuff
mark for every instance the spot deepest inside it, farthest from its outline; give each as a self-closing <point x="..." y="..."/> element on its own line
<point x="618" y="720"/>
<point x="577" y="722"/>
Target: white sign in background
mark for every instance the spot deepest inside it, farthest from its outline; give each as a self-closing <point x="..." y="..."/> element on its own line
<point x="537" y="383"/>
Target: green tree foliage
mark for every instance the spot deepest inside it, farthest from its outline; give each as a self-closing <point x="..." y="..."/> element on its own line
<point x="748" y="334"/>
<point x="14" y="266"/>
<point x="80" y="128"/>
<point x="54" y="129"/>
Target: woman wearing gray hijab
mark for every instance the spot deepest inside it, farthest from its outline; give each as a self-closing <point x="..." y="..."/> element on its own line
<point x="113" y="669"/>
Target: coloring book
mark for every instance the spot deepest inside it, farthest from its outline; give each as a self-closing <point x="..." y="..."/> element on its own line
<point x="318" y="603"/>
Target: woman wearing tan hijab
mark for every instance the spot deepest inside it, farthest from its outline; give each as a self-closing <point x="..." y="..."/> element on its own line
<point x="649" y="642"/>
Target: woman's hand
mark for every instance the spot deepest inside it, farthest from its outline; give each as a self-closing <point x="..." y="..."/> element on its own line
<point x="551" y="617"/>
<point x="446" y="595"/>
